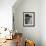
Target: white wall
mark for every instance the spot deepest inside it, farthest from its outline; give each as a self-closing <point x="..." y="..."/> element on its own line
<point x="6" y="13"/>
<point x="43" y="22"/>
<point x="32" y="33"/>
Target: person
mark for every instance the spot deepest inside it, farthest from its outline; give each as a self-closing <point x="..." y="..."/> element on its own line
<point x="18" y="40"/>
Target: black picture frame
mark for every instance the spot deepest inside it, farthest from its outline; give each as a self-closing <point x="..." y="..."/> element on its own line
<point x="28" y="19"/>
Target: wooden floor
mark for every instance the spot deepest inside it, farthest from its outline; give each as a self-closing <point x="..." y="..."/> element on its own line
<point x="9" y="43"/>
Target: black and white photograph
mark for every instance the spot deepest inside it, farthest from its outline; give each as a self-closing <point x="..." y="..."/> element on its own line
<point x="28" y="19"/>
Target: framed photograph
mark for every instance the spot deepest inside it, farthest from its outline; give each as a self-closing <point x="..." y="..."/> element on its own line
<point x="28" y="19"/>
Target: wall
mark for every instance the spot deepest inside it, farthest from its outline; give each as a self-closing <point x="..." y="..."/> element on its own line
<point x="43" y="22"/>
<point x="6" y="13"/>
<point x="32" y="33"/>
